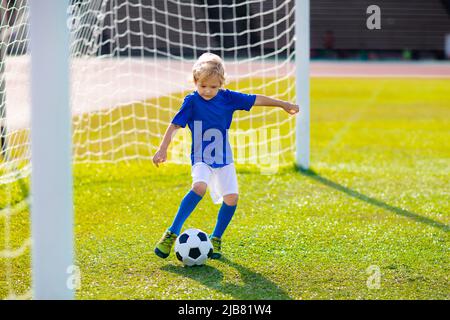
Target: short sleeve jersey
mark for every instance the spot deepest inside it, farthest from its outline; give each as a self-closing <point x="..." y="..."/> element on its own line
<point x="209" y="121"/>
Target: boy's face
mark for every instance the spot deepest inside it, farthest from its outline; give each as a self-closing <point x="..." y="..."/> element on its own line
<point x="208" y="88"/>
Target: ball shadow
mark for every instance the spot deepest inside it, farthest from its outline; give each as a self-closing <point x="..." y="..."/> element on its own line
<point x="255" y="286"/>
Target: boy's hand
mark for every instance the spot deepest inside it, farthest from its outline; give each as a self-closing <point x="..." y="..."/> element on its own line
<point x="160" y="157"/>
<point x="291" y="108"/>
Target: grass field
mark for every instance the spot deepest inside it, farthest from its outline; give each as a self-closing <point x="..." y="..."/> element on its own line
<point x="377" y="196"/>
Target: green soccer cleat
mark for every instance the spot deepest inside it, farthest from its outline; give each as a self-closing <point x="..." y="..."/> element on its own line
<point x="164" y="245"/>
<point x="217" y="247"/>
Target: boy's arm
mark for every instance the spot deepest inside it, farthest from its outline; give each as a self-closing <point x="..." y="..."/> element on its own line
<point x="262" y="100"/>
<point x="161" y="155"/>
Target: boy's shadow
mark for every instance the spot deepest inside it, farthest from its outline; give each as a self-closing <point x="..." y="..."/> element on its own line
<point x="354" y="194"/>
<point x="255" y="287"/>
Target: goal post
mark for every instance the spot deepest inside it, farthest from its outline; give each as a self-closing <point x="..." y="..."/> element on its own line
<point x="302" y="86"/>
<point x="51" y="177"/>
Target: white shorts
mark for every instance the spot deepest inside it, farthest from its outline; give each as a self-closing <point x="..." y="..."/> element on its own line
<point x="221" y="181"/>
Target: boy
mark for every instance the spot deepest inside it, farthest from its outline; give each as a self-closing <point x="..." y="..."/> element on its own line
<point x="208" y="112"/>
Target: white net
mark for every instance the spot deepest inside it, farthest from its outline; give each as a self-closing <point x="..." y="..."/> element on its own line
<point x="132" y="61"/>
<point x="15" y="151"/>
<point x="130" y="69"/>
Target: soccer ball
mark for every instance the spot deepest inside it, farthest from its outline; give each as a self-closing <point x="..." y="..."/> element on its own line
<point x="193" y="247"/>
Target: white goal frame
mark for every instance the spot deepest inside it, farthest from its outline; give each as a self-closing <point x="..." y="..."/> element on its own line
<point x="302" y="58"/>
<point x="51" y="140"/>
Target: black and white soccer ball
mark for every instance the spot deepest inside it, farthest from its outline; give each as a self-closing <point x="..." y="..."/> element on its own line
<point x="193" y="247"/>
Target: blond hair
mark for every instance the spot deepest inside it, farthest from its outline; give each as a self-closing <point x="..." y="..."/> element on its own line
<point x="208" y="65"/>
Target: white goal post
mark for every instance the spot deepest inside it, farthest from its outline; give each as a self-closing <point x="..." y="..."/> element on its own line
<point x="51" y="158"/>
<point x="302" y="86"/>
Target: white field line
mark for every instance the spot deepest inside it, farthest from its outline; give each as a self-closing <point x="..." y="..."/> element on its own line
<point x="359" y="75"/>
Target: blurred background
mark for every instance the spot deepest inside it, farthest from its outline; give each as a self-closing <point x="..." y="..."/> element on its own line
<point x="410" y="30"/>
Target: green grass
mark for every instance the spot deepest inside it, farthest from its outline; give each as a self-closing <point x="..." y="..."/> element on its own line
<point x="377" y="195"/>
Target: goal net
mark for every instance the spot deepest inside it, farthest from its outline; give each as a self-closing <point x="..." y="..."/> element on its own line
<point x="131" y="63"/>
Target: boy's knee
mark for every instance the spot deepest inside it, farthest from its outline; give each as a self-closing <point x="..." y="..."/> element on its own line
<point x="231" y="199"/>
<point x="200" y="188"/>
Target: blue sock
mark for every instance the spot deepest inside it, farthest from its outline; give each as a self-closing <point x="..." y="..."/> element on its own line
<point x="226" y="212"/>
<point x="188" y="204"/>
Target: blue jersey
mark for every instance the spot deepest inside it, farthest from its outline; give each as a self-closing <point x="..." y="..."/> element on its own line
<point x="209" y="121"/>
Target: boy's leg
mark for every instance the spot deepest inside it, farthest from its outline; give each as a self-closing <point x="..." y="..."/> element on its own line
<point x="226" y="212"/>
<point x="200" y="176"/>
<point x="227" y="183"/>
<point x="188" y="204"/>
